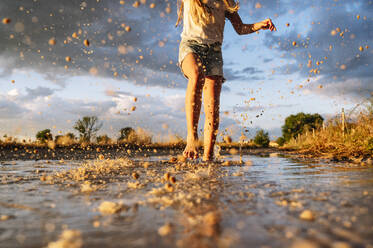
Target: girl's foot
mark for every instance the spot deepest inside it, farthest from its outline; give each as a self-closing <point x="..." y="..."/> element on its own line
<point x="191" y="150"/>
<point x="207" y="159"/>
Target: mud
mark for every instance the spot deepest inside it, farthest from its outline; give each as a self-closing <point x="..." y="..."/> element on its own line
<point x="158" y="201"/>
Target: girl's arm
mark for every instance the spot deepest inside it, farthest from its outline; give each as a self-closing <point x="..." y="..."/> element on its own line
<point x="242" y="28"/>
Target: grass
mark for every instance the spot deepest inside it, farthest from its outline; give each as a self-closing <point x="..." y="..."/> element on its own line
<point x="355" y="141"/>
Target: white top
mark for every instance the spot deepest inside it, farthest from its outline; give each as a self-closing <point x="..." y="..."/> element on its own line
<point x="212" y="32"/>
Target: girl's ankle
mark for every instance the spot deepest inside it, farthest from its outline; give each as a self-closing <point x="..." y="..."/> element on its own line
<point x="193" y="139"/>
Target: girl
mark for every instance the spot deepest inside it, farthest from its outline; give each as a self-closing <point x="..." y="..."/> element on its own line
<point x="200" y="59"/>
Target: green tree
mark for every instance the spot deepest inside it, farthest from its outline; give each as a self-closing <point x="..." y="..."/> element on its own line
<point x="125" y="133"/>
<point x="103" y="139"/>
<point x="44" y="135"/>
<point x="262" y="138"/>
<point x="71" y="136"/>
<point x="297" y="124"/>
<point x="280" y="141"/>
<point x="87" y="127"/>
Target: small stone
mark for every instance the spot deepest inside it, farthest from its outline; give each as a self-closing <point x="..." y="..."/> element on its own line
<point x="4" y="217"/>
<point x="6" y="20"/>
<point x="340" y="244"/>
<point x="86" y="43"/>
<point x="96" y="224"/>
<point x="166" y="176"/>
<point x="165" y="229"/>
<point x="173" y="179"/>
<point x="307" y="215"/>
<point x="304" y="244"/>
<point x="135" y="175"/>
<point x="108" y="207"/>
<point x="248" y="163"/>
<point x="173" y="160"/>
<point x="146" y="165"/>
<point x="168" y="187"/>
<point x="68" y="239"/>
<point x="52" y="42"/>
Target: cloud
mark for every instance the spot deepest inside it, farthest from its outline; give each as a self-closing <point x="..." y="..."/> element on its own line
<point x="10" y="110"/>
<point x="145" y="55"/>
<point x="248" y="108"/>
<point x="331" y="47"/>
<point x="38" y="92"/>
<point x="247" y="73"/>
<point x="43" y="109"/>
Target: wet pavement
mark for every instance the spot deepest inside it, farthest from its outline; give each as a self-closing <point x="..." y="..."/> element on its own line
<point x="269" y="201"/>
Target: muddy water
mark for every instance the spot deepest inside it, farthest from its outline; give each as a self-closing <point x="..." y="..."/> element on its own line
<point x="218" y="205"/>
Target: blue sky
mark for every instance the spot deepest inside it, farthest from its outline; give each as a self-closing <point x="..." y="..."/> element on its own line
<point x="119" y="66"/>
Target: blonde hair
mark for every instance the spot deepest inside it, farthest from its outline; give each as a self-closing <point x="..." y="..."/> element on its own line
<point x="200" y="13"/>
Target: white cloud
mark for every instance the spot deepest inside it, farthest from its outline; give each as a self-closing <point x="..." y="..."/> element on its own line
<point x="13" y="92"/>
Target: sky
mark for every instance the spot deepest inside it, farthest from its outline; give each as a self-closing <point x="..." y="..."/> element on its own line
<point x="319" y="61"/>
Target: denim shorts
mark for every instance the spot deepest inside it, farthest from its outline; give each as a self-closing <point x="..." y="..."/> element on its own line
<point x="209" y="56"/>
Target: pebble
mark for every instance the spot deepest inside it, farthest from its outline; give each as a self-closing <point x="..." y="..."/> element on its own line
<point x="68" y="239"/>
<point x="304" y="244"/>
<point x="86" y="42"/>
<point x="340" y="245"/>
<point x="108" y="207"/>
<point x="4" y="217"/>
<point x="6" y="20"/>
<point x="307" y="215"/>
<point x="135" y="175"/>
<point x="165" y="229"/>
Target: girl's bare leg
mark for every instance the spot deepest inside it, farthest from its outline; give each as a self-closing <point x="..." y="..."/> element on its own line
<point x="211" y="102"/>
<point x="193" y="101"/>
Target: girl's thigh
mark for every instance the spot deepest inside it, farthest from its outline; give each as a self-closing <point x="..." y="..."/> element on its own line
<point x="191" y="66"/>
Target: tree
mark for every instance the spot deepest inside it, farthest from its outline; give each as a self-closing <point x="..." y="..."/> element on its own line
<point x="70" y="135"/>
<point x="280" y="141"/>
<point x="262" y="138"/>
<point x="87" y="127"/>
<point x="44" y="135"/>
<point x="103" y="139"/>
<point x="125" y="133"/>
<point x="297" y="124"/>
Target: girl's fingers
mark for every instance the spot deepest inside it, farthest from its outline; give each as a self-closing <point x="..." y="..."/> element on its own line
<point x="272" y="26"/>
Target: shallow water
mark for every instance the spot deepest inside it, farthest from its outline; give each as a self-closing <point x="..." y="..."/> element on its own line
<point x="208" y="206"/>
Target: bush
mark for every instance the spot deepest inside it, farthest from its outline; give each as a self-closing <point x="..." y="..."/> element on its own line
<point x="261" y="138"/>
<point x="103" y="140"/>
<point x="44" y="136"/>
<point x="138" y="137"/>
<point x="297" y="124"/>
<point x="370" y="145"/>
<point x="125" y="133"/>
<point x="280" y="141"/>
<point x="65" y="140"/>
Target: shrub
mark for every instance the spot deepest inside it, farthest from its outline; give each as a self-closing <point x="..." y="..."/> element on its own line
<point x="297" y="124"/>
<point x="65" y="140"/>
<point x="280" y="141"/>
<point x="262" y="138"/>
<point x="370" y="145"/>
<point x="103" y="140"/>
<point x="44" y="136"/>
<point x="125" y="133"/>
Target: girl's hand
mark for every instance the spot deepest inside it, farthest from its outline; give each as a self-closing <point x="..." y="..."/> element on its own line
<point x="265" y="24"/>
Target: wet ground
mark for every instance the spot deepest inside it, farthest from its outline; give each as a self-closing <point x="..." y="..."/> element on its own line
<point x="269" y="201"/>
